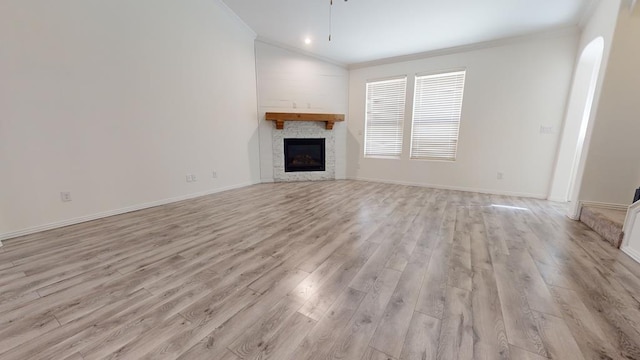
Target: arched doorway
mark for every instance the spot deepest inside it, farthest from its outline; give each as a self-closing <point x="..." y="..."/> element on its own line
<point x="570" y="163"/>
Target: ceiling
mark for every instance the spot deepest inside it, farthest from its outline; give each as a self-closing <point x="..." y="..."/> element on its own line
<point x="366" y="30"/>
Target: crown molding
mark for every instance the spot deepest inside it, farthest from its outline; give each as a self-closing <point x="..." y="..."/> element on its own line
<point x="553" y="33"/>
<point x="588" y="13"/>
<point x="294" y="49"/>
<point x="224" y="7"/>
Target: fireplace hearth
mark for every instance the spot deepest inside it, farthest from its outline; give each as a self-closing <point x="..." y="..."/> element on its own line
<point x="305" y="131"/>
<point x="304" y="155"/>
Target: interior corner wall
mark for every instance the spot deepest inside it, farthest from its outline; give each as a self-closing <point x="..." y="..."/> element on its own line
<point x="511" y="91"/>
<point x="569" y="169"/>
<point x="582" y="93"/>
<point x="612" y="169"/>
<point x="292" y="82"/>
<point x="116" y="101"/>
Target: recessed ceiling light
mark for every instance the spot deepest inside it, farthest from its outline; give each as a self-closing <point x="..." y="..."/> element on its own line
<point x="307" y="41"/>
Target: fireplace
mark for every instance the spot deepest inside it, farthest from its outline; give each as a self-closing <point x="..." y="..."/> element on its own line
<point x="304" y="155"/>
<point x="304" y="131"/>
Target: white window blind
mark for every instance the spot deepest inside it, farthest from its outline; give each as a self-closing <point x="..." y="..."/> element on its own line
<point x="384" y="117"/>
<point x="437" y="108"/>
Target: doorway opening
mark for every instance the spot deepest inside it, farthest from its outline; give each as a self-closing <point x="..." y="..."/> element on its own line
<point x="570" y="163"/>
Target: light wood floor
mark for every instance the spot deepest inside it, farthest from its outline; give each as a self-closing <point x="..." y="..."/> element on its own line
<point x="323" y="270"/>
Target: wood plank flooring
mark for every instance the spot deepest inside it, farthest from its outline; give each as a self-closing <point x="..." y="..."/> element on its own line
<point x="322" y="270"/>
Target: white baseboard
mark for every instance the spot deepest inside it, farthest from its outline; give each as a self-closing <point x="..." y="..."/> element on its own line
<point x="635" y="255"/>
<point x="573" y="217"/>
<point x="602" y="205"/>
<point x="456" y="188"/>
<point x="557" y="199"/>
<point x="81" y="219"/>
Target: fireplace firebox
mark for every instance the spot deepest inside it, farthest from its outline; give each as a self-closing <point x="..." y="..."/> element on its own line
<point x="304" y="155"/>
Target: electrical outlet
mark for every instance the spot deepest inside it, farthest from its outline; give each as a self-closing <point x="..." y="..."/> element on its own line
<point x="194" y="178"/>
<point x="188" y="177"/>
<point x="65" y="196"/>
<point x="500" y="175"/>
<point x="295" y="106"/>
<point x="214" y="174"/>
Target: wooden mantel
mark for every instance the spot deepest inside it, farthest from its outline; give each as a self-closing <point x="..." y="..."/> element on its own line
<point x="280" y="118"/>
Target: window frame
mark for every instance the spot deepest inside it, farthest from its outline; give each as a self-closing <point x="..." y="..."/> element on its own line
<point x="416" y="98"/>
<point x="401" y="118"/>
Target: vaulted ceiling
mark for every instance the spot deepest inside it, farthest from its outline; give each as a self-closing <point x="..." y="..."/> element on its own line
<point x="366" y="30"/>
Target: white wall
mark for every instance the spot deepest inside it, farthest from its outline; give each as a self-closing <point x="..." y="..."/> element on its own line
<point x="315" y="86"/>
<point x="585" y="81"/>
<point x="511" y="90"/>
<point x="631" y="241"/>
<point x="600" y="24"/>
<point x="612" y="169"/>
<point x="116" y="101"/>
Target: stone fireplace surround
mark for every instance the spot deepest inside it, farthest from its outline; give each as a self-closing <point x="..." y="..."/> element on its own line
<point x="302" y="130"/>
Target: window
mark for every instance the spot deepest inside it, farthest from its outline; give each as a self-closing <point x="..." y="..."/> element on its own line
<point x="437" y="107"/>
<point x="384" y="117"/>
